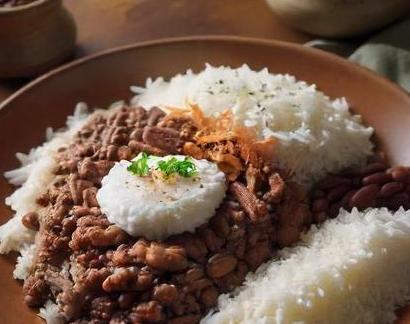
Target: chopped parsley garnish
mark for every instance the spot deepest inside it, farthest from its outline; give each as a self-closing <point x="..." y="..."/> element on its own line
<point x="140" y="167"/>
<point x="185" y="168"/>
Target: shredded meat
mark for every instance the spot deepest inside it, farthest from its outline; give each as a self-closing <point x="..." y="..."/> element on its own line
<point x="254" y="207"/>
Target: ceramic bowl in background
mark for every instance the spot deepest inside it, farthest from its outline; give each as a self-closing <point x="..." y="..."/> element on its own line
<point x="339" y="18"/>
<point x="34" y="38"/>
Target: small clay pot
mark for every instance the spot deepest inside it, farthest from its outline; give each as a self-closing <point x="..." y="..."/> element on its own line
<point x="34" y="38"/>
<point x="339" y="18"/>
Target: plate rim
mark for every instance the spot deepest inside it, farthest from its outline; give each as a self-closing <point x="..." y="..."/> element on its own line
<point x="4" y="105"/>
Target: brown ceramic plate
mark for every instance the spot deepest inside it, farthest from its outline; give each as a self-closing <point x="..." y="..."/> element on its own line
<point x="104" y="78"/>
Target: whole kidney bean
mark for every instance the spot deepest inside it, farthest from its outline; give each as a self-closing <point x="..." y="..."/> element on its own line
<point x="337" y="192"/>
<point x="30" y="220"/>
<point x="373" y="186"/>
<point x="373" y="168"/>
<point x="346" y="198"/>
<point x="377" y="178"/>
<point x="220" y="265"/>
<point x="171" y="258"/>
<point x="365" y="197"/>
<point x="390" y="188"/>
<point x="166" y="294"/>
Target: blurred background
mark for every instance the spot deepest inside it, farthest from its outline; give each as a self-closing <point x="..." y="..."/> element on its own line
<point x="38" y="35"/>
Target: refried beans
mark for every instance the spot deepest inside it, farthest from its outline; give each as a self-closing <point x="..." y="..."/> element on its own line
<point x="97" y="273"/>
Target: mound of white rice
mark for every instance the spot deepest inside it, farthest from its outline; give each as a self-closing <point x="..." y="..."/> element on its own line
<point x="159" y="209"/>
<point x="355" y="269"/>
<point x="316" y="135"/>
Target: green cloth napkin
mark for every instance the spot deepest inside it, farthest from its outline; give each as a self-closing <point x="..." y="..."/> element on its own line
<point x="387" y="52"/>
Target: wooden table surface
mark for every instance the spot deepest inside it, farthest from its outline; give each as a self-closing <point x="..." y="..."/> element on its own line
<point x="104" y="24"/>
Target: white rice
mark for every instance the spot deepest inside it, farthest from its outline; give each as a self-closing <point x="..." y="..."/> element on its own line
<point x="35" y="174"/>
<point x="355" y="269"/>
<point x="50" y="313"/>
<point x="24" y="262"/>
<point x="144" y="206"/>
<point x="306" y="122"/>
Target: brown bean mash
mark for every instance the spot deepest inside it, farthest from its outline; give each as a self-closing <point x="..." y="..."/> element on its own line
<point x="97" y="273"/>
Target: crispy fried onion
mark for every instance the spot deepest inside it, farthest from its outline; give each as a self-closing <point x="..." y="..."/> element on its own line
<point x="233" y="147"/>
